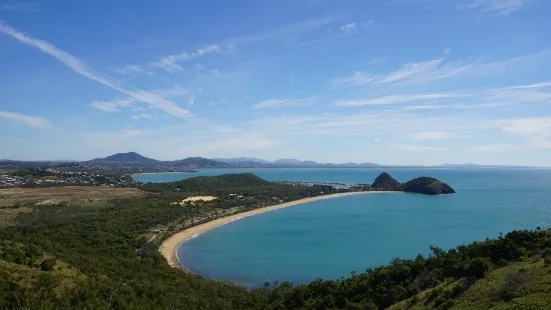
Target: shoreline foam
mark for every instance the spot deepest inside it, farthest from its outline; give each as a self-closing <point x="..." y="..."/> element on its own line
<point x="169" y="247"/>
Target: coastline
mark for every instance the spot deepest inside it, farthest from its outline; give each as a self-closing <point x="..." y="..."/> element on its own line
<point x="169" y="247"/>
<point x="162" y="172"/>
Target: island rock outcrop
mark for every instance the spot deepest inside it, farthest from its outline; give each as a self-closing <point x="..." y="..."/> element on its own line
<point x="427" y="186"/>
<point x="385" y="181"/>
<point x="421" y="185"/>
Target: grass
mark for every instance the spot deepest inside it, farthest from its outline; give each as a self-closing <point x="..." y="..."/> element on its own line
<point x="8" y="215"/>
<point x="523" y="285"/>
<point x="55" y="195"/>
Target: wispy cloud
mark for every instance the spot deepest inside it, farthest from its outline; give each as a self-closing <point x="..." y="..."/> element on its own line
<point x="433" y="135"/>
<point x="413" y="72"/>
<point x="358" y="78"/>
<point x="394" y="99"/>
<point x="278" y="103"/>
<point x="411" y="69"/>
<point x="419" y="148"/>
<point x="536" y="130"/>
<point x="142" y="115"/>
<point x="285" y="32"/>
<point x="18" y="6"/>
<point x="33" y="121"/>
<point x="113" y="106"/>
<point x="349" y="28"/>
<point x="537" y="93"/>
<point x="134" y="69"/>
<point x="501" y="7"/>
<point x="191" y="100"/>
<point x="170" y="62"/>
<point x="495" y="148"/>
<point x="81" y="68"/>
<point x="231" y="147"/>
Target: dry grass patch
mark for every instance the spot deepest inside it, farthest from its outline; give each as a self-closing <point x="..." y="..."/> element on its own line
<point x="56" y="195"/>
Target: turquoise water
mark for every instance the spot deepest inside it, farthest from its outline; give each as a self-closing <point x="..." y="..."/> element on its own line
<point x="330" y="238"/>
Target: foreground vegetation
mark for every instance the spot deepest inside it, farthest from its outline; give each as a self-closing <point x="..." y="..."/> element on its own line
<point x="98" y="257"/>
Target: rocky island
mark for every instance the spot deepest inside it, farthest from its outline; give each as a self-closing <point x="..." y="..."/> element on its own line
<point x="421" y="185"/>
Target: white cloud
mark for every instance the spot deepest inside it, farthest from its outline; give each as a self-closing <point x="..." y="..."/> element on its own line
<point x="433" y="135"/>
<point x="231" y="147"/>
<point x="283" y="33"/>
<point x="113" y="106"/>
<point x="501" y="7"/>
<point x="191" y="100"/>
<point x="394" y="99"/>
<point x="414" y="72"/>
<point x="410" y="69"/>
<point x="142" y="116"/>
<point x="20" y="7"/>
<point x="277" y="103"/>
<point x="536" y="130"/>
<point x="131" y="69"/>
<point x="349" y="28"/>
<point x="495" y="148"/>
<point x="419" y="148"/>
<point x="170" y="62"/>
<point x="79" y="67"/>
<point x="26" y="119"/>
<point x="358" y="78"/>
<point x="538" y="93"/>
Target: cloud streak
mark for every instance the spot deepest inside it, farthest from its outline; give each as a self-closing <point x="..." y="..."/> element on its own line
<point x="349" y="28"/>
<point x="170" y="63"/>
<point x="538" y="93"/>
<point x="501" y="7"/>
<point x="279" y="103"/>
<point x="113" y="106"/>
<point x="419" y="148"/>
<point x="394" y="99"/>
<point x="33" y="121"/>
<point x="414" y="72"/>
<point x="79" y="67"/>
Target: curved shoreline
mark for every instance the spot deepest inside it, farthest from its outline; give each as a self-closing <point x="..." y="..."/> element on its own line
<point x="169" y="247"/>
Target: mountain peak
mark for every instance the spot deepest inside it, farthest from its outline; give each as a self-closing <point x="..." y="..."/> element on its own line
<point x="126" y="157"/>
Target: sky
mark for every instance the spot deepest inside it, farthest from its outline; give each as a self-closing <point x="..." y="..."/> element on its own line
<point x="418" y="82"/>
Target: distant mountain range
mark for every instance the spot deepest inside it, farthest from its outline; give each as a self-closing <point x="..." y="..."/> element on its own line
<point x="132" y="158"/>
<point x="290" y="163"/>
<point x="137" y="160"/>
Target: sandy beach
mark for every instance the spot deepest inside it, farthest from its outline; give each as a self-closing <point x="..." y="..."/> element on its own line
<point x="170" y="246"/>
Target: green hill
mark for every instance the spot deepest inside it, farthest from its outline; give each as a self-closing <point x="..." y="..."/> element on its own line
<point x="207" y="184"/>
<point x="421" y="185"/>
<point x="521" y="285"/>
<point x="385" y="181"/>
<point x="427" y="186"/>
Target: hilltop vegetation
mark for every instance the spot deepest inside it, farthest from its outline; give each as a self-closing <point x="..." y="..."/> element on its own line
<point x="97" y="257"/>
<point x="385" y="181"/>
<point x="421" y="185"/>
<point x="427" y="186"/>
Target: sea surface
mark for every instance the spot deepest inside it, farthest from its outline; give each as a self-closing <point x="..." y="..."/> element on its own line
<point x="330" y="238"/>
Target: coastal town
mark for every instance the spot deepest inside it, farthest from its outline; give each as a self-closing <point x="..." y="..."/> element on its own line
<point x="32" y="174"/>
<point x="82" y="175"/>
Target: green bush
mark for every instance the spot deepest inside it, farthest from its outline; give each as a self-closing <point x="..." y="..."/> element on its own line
<point x="48" y="264"/>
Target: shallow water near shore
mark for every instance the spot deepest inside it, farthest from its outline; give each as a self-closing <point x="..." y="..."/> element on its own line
<point x="330" y="238"/>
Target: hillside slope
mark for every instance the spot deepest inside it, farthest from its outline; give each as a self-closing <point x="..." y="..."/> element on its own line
<point x="522" y="285"/>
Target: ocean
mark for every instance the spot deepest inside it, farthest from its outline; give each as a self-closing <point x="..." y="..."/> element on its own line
<point x="330" y="238"/>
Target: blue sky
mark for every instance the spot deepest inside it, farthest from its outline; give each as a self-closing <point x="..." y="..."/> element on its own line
<point x="390" y="82"/>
